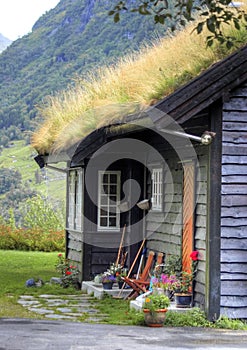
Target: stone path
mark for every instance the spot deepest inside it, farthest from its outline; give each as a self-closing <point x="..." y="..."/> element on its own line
<point x="63" y="307"/>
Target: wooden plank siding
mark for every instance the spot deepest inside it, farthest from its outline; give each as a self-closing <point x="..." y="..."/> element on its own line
<point x="200" y="234"/>
<point x="234" y="206"/>
<point x="164" y="229"/>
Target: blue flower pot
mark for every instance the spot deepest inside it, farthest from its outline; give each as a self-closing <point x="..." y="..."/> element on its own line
<point x="107" y="285"/>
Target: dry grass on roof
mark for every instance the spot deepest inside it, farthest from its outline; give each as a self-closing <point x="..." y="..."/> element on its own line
<point x="135" y="82"/>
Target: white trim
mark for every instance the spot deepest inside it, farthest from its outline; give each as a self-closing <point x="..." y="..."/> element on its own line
<point x="157" y="189"/>
<point x="75" y="195"/>
<point x="108" y="205"/>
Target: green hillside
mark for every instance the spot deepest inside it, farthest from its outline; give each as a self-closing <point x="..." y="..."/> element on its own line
<point x="71" y="39"/>
<point x="75" y="37"/>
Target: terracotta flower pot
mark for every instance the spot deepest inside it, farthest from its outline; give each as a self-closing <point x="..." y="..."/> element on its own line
<point x="156" y="318"/>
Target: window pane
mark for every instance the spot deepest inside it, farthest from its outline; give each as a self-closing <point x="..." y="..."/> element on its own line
<point x="103" y="222"/>
<point x="113" y="178"/>
<point x="112" y="222"/>
<point x="113" y="189"/>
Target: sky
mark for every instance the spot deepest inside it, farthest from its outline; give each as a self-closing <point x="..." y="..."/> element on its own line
<point x="18" y="16"/>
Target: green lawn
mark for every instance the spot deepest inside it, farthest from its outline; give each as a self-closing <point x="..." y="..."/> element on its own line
<point x="16" y="268"/>
<point x="19" y="266"/>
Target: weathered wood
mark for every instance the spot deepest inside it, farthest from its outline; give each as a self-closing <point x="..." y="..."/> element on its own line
<point x="234" y="149"/>
<point x="234" y="222"/>
<point x="233" y="301"/>
<point x="239" y="92"/>
<point x="233" y="200"/>
<point x="234" y="179"/>
<point x="236" y="104"/>
<point x="201" y="233"/>
<point x="201" y="209"/>
<point x="75" y="245"/>
<point x="238" y="256"/>
<point x="234" y="212"/>
<point x="239" y="116"/>
<point x="240" y="169"/>
<point x="234" y="268"/>
<point x="201" y="245"/>
<point x="200" y="221"/>
<point x="233" y="243"/>
<point x="237" y="313"/>
<point x="233" y="276"/>
<point x="236" y="288"/>
<point x="234" y="126"/>
<point x="238" y="232"/>
<point x="234" y="137"/>
<point x="234" y="189"/>
<point x="74" y="255"/>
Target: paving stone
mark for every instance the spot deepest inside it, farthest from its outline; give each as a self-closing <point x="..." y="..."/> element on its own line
<point x="52" y="306"/>
<point x="41" y="311"/>
<point x="28" y="302"/>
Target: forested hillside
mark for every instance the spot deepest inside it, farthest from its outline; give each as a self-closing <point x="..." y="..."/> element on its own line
<point x="67" y="41"/>
<point x="4" y="42"/>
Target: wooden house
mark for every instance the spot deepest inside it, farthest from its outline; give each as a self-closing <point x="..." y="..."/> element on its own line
<point x="187" y="157"/>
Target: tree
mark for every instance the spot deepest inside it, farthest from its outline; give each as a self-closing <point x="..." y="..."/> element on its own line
<point x="214" y="14"/>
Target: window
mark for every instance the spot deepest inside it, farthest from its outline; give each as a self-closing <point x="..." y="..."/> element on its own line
<point x="108" y="200"/>
<point x="75" y="200"/>
<point x="157" y="189"/>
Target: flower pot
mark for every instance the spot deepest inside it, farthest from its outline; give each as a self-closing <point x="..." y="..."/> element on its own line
<point x="156" y="318"/>
<point x="120" y="284"/>
<point x="107" y="285"/>
<point x="183" y="300"/>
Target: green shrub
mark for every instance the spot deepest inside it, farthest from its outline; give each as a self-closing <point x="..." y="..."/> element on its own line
<point x="34" y="239"/>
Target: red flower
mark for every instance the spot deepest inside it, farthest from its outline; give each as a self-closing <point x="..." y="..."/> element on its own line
<point x="68" y="272"/>
<point x="194" y="255"/>
<point x="60" y="254"/>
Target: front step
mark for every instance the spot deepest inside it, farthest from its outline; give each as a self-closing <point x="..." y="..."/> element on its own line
<point x="90" y="287"/>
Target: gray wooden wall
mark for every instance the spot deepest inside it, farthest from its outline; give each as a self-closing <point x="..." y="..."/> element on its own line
<point x="234" y="206"/>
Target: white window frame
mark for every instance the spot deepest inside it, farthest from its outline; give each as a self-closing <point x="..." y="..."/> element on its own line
<point x="105" y="203"/>
<point x="157" y="189"/>
<point x="75" y="194"/>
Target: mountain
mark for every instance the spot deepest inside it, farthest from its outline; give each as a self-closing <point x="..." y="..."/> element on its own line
<point x="68" y="41"/>
<point x="4" y="42"/>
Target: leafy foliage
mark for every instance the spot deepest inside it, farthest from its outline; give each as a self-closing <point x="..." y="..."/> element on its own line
<point x="68" y="272"/>
<point x="31" y="239"/>
<point x="215" y="14"/>
<point x="39" y="213"/>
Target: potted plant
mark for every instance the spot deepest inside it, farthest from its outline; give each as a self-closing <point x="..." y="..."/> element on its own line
<point x="155" y="308"/>
<point x="119" y="275"/>
<point x="184" y="285"/>
<point x="107" y="280"/>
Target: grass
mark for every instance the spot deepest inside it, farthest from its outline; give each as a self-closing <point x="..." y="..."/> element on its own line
<point x="19" y="266"/>
<point x="20" y="157"/>
<point x="16" y="268"/>
<point x="135" y="82"/>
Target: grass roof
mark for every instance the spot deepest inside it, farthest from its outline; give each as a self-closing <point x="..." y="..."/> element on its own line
<point x="131" y="85"/>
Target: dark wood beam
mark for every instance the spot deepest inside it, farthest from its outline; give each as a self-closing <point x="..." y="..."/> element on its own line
<point x="212" y="298"/>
